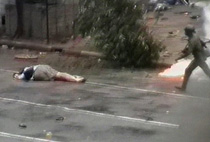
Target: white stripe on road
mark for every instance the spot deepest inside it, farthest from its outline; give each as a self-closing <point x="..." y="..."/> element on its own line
<point x="103" y="115"/>
<point x="12" y="71"/>
<point x="144" y="90"/>
<point x="19" y="137"/>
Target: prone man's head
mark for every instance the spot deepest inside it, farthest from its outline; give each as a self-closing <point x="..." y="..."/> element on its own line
<point x="189" y="30"/>
<point x="15" y="75"/>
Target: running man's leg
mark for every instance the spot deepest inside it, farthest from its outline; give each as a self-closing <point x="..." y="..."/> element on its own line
<point x="188" y="72"/>
<point x="205" y="68"/>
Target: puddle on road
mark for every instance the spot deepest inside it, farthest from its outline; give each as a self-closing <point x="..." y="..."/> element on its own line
<point x="133" y="131"/>
<point x="97" y="108"/>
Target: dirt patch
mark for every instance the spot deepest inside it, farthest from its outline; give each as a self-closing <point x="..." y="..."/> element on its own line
<point x="134" y="131"/>
<point x="74" y="64"/>
<point x="170" y="30"/>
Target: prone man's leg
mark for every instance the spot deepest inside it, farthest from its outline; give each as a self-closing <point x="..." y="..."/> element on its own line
<point x="62" y="76"/>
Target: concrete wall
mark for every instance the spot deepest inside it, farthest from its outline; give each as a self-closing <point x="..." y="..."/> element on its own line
<point x="60" y="20"/>
<point x="3" y="3"/>
<point x="11" y="22"/>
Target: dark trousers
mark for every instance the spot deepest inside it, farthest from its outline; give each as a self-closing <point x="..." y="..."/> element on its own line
<point x="195" y="63"/>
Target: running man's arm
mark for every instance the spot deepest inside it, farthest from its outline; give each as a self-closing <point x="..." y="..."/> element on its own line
<point x="185" y="52"/>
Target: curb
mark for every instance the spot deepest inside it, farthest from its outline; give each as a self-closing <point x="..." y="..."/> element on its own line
<point x="49" y="48"/>
<point x="62" y="50"/>
<point x="26" y="45"/>
<point x="163" y="65"/>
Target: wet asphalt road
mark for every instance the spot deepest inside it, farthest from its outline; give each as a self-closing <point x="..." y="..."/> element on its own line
<point x="111" y="107"/>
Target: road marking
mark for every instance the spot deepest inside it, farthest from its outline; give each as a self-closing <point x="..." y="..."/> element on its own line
<point x="20" y="137"/>
<point x="144" y="90"/>
<point x="103" y="115"/>
<point x="12" y="71"/>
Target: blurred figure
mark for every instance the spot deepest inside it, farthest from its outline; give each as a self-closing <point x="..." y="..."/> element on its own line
<point x="196" y="47"/>
<point x="157" y="14"/>
<point x="45" y="73"/>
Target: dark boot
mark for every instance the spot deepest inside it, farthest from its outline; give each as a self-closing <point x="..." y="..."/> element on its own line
<point x="180" y="88"/>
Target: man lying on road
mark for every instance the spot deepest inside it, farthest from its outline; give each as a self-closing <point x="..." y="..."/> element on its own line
<point x="45" y="73"/>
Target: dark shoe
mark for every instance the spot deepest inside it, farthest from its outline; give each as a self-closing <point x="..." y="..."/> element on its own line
<point x="180" y="88"/>
<point x="84" y="80"/>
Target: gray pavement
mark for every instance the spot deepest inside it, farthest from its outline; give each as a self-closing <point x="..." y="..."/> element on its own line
<point x="113" y="106"/>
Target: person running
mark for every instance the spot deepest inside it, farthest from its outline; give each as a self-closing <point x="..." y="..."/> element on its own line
<point x="45" y="73"/>
<point x="157" y="14"/>
<point x="196" y="47"/>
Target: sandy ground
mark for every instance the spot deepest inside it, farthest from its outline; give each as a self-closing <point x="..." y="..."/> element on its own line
<point x="170" y="31"/>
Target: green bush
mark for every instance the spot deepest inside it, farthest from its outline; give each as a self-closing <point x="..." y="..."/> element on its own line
<point x="119" y="31"/>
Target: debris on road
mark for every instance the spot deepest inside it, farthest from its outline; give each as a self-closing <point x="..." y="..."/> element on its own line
<point x="4" y="47"/>
<point x="148" y="75"/>
<point x="48" y="135"/>
<point x="26" y="56"/>
<point x="42" y="53"/>
<point x="60" y="119"/>
<point x="183" y="12"/>
<point x="22" y="126"/>
<point x="173" y="33"/>
<point x="149" y="119"/>
<point x="162" y="7"/>
<point x="195" y="17"/>
<point x="166" y="54"/>
<point x="164" y="18"/>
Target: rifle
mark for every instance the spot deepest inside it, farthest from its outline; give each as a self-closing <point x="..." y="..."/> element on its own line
<point x="185" y="51"/>
<point x="203" y="43"/>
